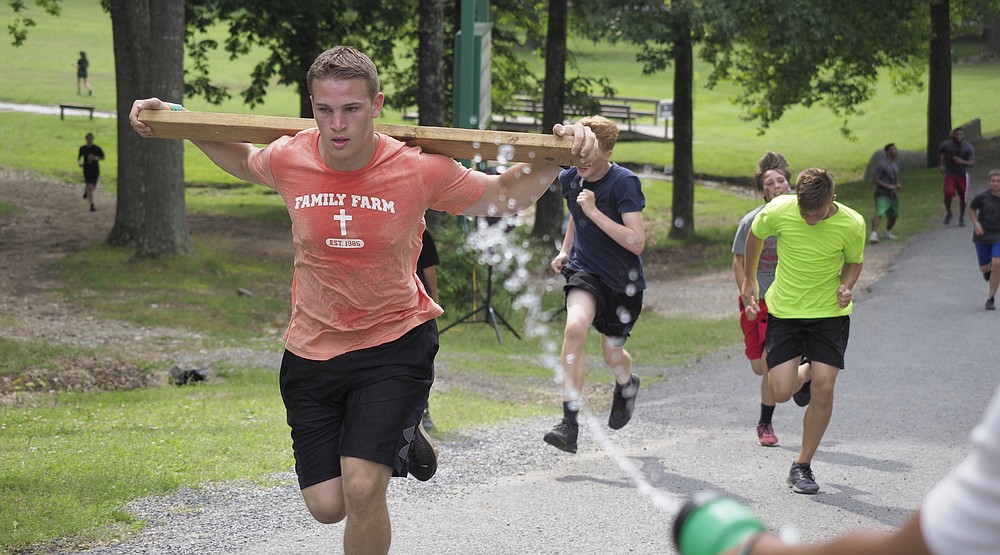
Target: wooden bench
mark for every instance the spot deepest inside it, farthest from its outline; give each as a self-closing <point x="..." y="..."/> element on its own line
<point x="524" y="113"/>
<point x="618" y="112"/>
<point x="67" y="106"/>
<point x="616" y="109"/>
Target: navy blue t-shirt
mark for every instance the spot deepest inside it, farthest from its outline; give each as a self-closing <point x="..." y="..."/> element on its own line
<point x="618" y="192"/>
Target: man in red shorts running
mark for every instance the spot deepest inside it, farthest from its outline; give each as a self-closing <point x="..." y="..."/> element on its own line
<point x="955" y="156"/>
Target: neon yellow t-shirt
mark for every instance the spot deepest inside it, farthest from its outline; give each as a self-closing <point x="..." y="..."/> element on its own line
<point x="810" y="258"/>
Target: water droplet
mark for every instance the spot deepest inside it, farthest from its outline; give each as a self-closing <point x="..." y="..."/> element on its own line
<point x="624" y="315"/>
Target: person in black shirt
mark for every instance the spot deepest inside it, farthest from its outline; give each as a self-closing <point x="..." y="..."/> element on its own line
<point x="81" y="73"/>
<point x="89" y="159"/>
<point x="955" y="157"/>
<point x="427" y="273"/>
<point x="984" y="213"/>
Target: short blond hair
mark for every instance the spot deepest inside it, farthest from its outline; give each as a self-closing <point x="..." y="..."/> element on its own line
<point x="343" y="63"/>
<point x="605" y="130"/>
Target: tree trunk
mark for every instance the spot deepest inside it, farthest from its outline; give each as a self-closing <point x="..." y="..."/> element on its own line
<point x="309" y="44"/>
<point x="431" y="89"/>
<point x="149" y="58"/>
<point x="683" y="197"/>
<point x="549" y="208"/>
<point x="939" y="80"/>
<point x="993" y="37"/>
<point x="430" y="52"/>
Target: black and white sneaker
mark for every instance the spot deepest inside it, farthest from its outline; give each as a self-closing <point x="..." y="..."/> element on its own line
<point x="623" y="403"/>
<point x="422" y="455"/>
<point x="563" y="436"/>
<point x="801" y="479"/>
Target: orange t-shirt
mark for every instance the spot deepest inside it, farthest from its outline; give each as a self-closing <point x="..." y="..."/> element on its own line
<point x="357" y="239"/>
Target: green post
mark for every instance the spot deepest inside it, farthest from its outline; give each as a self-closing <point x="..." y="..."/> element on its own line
<point x="471" y="105"/>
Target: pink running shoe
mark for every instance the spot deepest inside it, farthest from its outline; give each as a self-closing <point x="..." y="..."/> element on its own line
<point x="765" y="435"/>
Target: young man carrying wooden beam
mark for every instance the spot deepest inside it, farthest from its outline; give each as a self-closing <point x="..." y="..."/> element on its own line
<point x="361" y="341"/>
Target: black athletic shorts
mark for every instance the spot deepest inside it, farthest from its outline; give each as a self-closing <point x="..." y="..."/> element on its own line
<point x="821" y="339"/>
<point x="90" y="176"/>
<point x="616" y="312"/>
<point x="362" y="404"/>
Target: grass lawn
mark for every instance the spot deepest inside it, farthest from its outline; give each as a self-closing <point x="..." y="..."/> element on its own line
<point x="41" y="72"/>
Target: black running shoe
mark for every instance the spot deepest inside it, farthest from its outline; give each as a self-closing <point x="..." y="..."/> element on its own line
<point x="990" y="304"/>
<point x="426" y="419"/>
<point x="803" y="395"/>
<point x="563" y="436"/>
<point x="623" y="403"/>
<point x="801" y="479"/>
<point x="422" y="455"/>
<point x="987" y="274"/>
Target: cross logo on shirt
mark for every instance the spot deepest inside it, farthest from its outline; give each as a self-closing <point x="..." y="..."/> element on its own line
<point x="343" y="218"/>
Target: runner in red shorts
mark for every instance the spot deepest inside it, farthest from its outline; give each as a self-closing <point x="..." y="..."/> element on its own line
<point x="771" y="179"/>
<point x="955" y="156"/>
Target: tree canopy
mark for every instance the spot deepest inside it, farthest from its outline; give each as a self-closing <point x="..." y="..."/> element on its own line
<point x="292" y="33"/>
<point x="812" y="51"/>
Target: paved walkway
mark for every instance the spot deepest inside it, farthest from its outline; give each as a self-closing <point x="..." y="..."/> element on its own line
<point x="921" y="368"/>
<point x="52" y="110"/>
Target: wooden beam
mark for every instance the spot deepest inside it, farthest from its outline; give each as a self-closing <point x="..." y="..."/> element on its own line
<point x="465" y="144"/>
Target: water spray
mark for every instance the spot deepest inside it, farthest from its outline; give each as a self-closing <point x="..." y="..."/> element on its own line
<point x="707" y="523"/>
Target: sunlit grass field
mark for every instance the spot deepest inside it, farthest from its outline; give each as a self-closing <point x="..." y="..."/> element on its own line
<point x="41" y="72"/>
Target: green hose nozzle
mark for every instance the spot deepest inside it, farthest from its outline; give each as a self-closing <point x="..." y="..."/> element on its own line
<point x="709" y="524"/>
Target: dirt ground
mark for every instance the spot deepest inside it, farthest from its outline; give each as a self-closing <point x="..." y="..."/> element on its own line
<point x="51" y="221"/>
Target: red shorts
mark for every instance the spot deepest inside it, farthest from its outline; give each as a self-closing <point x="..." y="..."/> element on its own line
<point x="754" y="331"/>
<point x="955" y="185"/>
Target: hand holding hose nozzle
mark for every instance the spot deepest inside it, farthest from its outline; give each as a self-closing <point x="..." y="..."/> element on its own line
<point x="709" y="524"/>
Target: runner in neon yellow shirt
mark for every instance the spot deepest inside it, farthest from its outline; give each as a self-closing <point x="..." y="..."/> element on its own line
<point x="821" y="248"/>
